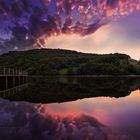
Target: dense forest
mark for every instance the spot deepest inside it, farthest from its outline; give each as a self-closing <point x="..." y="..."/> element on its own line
<point x="65" y="62"/>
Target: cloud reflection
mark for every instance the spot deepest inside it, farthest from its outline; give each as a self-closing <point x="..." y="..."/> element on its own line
<point x="24" y="121"/>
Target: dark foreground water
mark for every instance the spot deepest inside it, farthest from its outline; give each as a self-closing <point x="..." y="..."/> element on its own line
<point x="88" y="109"/>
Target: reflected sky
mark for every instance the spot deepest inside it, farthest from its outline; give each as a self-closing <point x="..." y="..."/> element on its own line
<point x="122" y="113"/>
<point x="100" y="118"/>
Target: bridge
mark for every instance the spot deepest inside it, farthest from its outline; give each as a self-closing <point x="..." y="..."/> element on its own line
<point x="12" y="80"/>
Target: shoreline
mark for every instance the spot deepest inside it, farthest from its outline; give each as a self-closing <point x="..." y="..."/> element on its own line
<point x="96" y="76"/>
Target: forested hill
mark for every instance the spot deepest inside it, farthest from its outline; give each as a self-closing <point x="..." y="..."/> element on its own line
<point x="57" y="61"/>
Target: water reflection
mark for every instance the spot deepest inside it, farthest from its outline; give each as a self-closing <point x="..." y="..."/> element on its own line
<point x="62" y="89"/>
<point x="100" y="118"/>
<point x="92" y="119"/>
<point x="12" y="91"/>
<point x="121" y="114"/>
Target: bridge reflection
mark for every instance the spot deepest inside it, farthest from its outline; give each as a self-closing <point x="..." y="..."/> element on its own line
<point x="12" y="81"/>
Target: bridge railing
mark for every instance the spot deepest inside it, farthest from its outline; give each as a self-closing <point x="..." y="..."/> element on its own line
<point x="9" y="71"/>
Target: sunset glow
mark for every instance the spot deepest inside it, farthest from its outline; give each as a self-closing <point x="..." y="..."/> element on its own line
<point x="111" y="38"/>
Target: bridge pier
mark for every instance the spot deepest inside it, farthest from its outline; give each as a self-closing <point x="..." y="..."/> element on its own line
<point x="10" y="78"/>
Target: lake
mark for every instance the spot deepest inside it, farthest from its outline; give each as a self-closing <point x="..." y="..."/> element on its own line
<point x="72" y="108"/>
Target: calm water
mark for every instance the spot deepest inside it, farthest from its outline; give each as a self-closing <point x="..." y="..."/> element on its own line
<point x="88" y="109"/>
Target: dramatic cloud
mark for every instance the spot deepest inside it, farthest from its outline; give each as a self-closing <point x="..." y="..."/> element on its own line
<point x="31" y="22"/>
<point x="117" y="36"/>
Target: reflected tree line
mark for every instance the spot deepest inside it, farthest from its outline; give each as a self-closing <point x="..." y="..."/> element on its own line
<point x="62" y="89"/>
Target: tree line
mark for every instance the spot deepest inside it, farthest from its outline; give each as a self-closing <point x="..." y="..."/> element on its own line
<point x="65" y="62"/>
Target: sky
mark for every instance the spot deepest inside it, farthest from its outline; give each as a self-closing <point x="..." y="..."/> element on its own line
<point x="122" y="36"/>
<point x="93" y="26"/>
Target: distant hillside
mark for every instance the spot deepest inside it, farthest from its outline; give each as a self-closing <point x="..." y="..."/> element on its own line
<point x="57" y="61"/>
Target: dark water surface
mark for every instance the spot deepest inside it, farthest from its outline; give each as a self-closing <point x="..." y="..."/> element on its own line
<point x="73" y="108"/>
